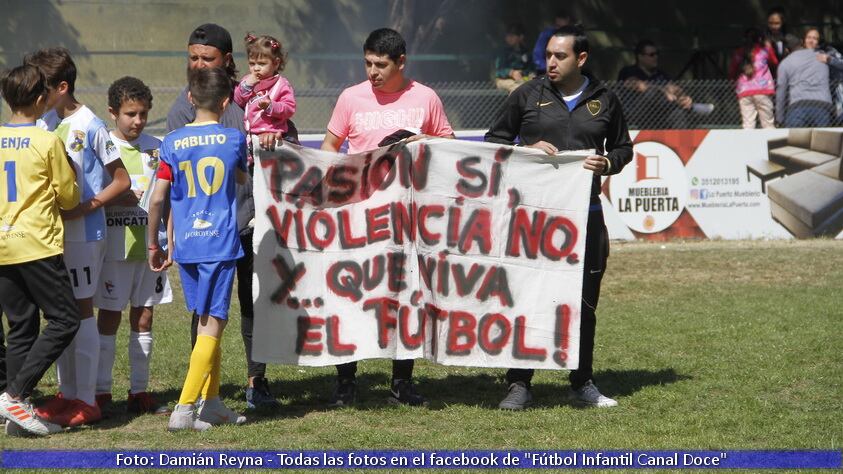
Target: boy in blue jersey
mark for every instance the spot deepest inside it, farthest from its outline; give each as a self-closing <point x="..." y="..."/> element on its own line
<point x="198" y="165"/>
<point x="94" y="157"/>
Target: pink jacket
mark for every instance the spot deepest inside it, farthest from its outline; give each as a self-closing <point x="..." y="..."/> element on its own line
<point x="282" y="104"/>
<point x="761" y="82"/>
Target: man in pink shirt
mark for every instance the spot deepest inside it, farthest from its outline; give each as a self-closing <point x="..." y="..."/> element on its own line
<point x="366" y="114"/>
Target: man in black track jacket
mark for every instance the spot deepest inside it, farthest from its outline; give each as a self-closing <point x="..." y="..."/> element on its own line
<point x="568" y="110"/>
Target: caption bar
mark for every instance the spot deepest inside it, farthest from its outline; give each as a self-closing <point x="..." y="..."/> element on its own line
<point x="484" y="459"/>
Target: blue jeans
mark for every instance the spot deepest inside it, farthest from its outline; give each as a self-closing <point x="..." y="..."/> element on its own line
<point x="798" y="116"/>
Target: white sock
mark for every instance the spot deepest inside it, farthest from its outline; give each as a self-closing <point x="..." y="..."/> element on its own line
<point x="66" y="371"/>
<point x="140" y="351"/>
<point x="87" y="354"/>
<point x="106" y="363"/>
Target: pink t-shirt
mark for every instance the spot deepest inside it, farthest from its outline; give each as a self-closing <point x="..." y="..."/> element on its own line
<point x="366" y="116"/>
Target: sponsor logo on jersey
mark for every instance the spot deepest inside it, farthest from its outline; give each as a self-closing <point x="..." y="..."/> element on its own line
<point x="78" y="141"/>
<point x="201" y="224"/>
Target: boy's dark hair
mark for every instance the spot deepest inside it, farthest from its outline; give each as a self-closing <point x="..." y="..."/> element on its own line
<point x="57" y="66"/>
<point x="385" y="41"/>
<point x="22" y="86"/>
<point x="208" y="87"/>
<point x="128" y="88"/>
<point x="580" y="39"/>
<point x="643" y="44"/>
<point x="516" y="29"/>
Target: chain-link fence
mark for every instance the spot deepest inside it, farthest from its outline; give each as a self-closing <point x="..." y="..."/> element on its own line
<point x="473" y="105"/>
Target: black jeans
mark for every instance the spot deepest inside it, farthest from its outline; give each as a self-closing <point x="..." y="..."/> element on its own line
<point x="245" y="266"/>
<point x="596" y="254"/>
<point x="401" y="369"/>
<point x="25" y="289"/>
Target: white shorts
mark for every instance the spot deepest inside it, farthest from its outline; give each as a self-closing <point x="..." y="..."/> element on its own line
<point x="84" y="264"/>
<point x="124" y="282"/>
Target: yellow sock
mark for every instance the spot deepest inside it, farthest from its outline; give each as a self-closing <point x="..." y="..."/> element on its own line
<point x="212" y="384"/>
<point x="201" y="364"/>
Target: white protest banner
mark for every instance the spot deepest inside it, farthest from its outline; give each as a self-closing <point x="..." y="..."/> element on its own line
<point x="462" y="253"/>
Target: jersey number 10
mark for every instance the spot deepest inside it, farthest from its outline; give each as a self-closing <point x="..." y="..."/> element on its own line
<point x="202" y="166"/>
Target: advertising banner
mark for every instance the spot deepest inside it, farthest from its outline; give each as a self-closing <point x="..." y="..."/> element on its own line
<point x="728" y="184"/>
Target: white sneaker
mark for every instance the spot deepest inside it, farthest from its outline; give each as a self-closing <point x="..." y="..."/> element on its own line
<point x="184" y="418"/>
<point x="14" y="430"/>
<point x="589" y="395"/>
<point x="23" y="415"/>
<point x="214" y="412"/>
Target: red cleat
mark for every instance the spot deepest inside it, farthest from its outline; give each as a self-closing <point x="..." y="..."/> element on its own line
<point x="144" y="402"/>
<point x="78" y="413"/>
<point x="53" y="407"/>
<point x="103" y="400"/>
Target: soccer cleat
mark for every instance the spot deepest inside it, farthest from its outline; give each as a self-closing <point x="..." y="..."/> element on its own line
<point x="143" y="402"/>
<point x="258" y="396"/>
<point x="589" y="395"/>
<point x="53" y="407"/>
<point x="103" y="400"/>
<point x="184" y="418"/>
<point x="518" y="398"/>
<point x="21" y="413"/>
<point x="404" y="393"/>
<point x="344" y="393"/>
<point x="78" y="413"/>
<point x="214" y="412"/>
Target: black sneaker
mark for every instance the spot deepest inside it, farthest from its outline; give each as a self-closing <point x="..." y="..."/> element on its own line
<point x="258" y="396"/>
<point x="404" y="393"/>
<point x="344" y="393"/>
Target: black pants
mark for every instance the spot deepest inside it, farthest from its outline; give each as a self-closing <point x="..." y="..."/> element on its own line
<point x="2" y="354"/>
<point x="596" y="254"/>
<point x="26" y="288"/>
<point x="245" y="266"/>
<point x="401" y="369"/>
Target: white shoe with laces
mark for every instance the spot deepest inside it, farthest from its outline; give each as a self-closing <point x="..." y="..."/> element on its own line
<point x="183" y="417"/>
<point x="214" y="412"/>
<point x="589" y="395"/>
<point x="21" y="413"/>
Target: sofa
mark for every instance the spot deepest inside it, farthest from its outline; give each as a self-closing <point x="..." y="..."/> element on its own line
<point x="808" y="201"/>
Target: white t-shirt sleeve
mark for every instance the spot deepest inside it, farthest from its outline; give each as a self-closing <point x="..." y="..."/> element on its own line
<point x="103" y="147"/>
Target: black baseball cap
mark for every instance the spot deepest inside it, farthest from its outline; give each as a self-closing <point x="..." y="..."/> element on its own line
<point x="211" y="34"/>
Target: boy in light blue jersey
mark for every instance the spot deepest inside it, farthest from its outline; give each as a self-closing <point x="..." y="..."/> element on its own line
<point x="198" y="165"/>
<point x="93" y="154"/>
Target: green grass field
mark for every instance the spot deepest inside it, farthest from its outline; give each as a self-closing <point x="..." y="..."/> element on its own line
<point x="706" y="345"/>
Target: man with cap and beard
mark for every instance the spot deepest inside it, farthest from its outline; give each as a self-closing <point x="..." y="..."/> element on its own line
<point x="209" y="46"/>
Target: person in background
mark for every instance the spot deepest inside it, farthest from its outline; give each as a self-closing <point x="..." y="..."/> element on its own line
<point x="803" y="95"/>
<point x="560" y="19"/>
<point x="512" y="65"/>
<point x="828" y="54"/>
<point x="750" y="68"/>
<point x="776" y="34"/>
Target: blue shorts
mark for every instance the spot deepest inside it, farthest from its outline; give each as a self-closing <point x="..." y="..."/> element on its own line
<point x="207" y="287"/>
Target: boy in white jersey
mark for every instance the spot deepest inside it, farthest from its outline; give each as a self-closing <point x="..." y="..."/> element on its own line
<point x="93" y="154"/>
<point x="126" y="276"/>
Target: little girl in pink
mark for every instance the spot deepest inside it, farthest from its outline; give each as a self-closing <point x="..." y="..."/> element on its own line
<point x="265" y="96"/>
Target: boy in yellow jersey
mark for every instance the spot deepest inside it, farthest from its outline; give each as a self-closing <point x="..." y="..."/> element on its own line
<point x="199" y="163"/>
<point x="95" y="158"/>
<point x="36" y="180"/>
<point x="126" y="276"/>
